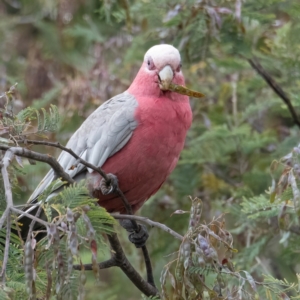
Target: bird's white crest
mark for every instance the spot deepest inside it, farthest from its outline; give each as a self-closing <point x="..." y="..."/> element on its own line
<point x="163" y="55"/>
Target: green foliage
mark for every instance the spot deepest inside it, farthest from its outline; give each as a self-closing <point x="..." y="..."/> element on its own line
<point x="204" y="266"/>
<point x="81" y="53"/>
<point x="260" y="207"/>
<point x="55" y="254"/>
<point x="21" y="125"/>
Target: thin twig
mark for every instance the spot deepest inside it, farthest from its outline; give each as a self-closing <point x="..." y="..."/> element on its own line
<point x="5" y="163"/>
<point x="70" y="151"/>
<point x="33" y="221"/>
<point x="150" y="223"/>
<point x="102" y="265"/>
<point x="18" y="211"/>
<point x="4" y="217"/>
<point x="9" y="204"/>
<point x="255" y="64"/>
<point x="150" y="278"/>
<point x="40" y="157"/>
<point x="6" y="250"/>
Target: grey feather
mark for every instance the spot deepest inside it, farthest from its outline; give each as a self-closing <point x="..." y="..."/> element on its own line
<point x="106" y="131"/>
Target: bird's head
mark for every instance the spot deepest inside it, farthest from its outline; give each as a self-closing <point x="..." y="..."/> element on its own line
<point x="161" y="66"/>
<point x="163" y="62"/>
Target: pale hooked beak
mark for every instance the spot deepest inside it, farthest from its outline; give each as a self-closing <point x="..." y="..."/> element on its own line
<point x="165" y="77"/>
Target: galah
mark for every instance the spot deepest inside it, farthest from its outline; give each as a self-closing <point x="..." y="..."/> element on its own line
<point x="137" y="135"/>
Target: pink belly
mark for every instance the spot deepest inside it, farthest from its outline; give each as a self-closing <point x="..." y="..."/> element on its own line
<point x="141" y="170"/>
<point x="149" y="157"/>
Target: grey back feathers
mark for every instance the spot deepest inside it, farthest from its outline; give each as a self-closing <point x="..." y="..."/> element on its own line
<point x="101" y="135"/>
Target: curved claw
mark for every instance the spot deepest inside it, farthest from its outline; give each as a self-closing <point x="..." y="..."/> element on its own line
<point x="139" y="238"/>
<point x="109" y="187"/>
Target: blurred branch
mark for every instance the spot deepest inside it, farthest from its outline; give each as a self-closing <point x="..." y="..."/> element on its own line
<point x="255" y="64"/>
<point x="9" y="203"/>
<point x="294" y="229"/>
<point x="150" y="223"/>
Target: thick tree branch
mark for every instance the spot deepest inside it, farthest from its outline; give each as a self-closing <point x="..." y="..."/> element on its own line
<point x="122" y="262"/>
<point x="276" y="88"/>
<point x="119" y="259"/>
<point x="150" y="223"/>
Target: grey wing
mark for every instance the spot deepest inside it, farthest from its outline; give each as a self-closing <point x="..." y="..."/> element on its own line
<point x="102" y="134"/>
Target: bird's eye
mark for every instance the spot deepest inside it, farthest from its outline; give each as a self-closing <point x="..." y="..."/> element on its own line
<point x="150" y="63"/>
<point x="179" y="68"/>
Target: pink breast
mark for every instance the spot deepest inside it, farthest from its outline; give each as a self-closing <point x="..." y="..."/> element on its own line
<point x="150" y="156"/>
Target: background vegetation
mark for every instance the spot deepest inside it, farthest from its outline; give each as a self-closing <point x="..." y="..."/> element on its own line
<point x="76" y="54"/>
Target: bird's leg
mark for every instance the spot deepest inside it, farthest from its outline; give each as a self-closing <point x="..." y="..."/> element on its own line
<point x="138" y="235"/>
<point x="110" y="186"/>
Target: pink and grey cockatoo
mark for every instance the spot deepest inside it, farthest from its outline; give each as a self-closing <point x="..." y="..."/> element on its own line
<point x="137" y="135"/>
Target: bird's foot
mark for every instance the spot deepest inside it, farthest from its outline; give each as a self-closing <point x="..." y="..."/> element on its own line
<point x="138" y="238"/>
<point x="109" y="186"/>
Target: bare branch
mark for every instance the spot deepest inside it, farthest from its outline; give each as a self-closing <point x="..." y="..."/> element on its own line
<point x="4" y="217"/>
<point x="70" y="151"/>
<point x="255" y="64"/>
<point x="21" y="212"/>
<point x="40" y="157"/>
<point x="33" y="221"/>
<point x="6" y="249"/>
<point x="150" y="223"/>
<point x="9" y="204"/>
<point x="150" y="278"/>
<point x="103" y="265"/>
<point x="122" y="262"/>
<point x="5" y="163"/>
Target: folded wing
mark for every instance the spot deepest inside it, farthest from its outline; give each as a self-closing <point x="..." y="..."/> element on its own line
<point x="106" y="131"/>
